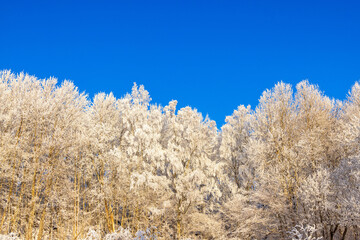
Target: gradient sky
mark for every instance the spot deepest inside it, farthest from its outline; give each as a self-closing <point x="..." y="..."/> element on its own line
<point x="210" y="55"/>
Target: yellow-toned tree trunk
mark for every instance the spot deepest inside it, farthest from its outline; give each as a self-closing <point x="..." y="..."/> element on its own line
<point x="6" y="210"/>
<point x="109" y="216"/>
<point x="18" y="208"/>
<point x="32" y="207"/>
<point x="178" y="220"/>
<point x="75" y="208"/>
<point x="42" y="222"/>
<point x="178" y="227"/>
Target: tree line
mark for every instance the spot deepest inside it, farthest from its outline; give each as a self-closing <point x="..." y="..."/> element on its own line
<point x="70" y="166"/>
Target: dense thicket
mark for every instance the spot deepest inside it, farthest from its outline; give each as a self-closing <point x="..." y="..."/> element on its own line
<point x="71" y="168"/>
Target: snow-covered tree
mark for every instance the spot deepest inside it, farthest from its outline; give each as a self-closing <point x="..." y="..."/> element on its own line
<point x="235" y="138"/>
<point x="190" y="169"/>
<point x="41" y="129"/>
<point x="126" y="168"/>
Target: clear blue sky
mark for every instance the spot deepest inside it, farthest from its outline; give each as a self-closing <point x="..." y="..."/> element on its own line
<point x="211" y="55"/>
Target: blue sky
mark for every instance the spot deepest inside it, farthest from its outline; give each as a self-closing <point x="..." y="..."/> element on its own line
<point x="210" y="55"/>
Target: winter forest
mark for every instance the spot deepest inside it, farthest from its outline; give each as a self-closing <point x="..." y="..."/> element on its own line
<point x="108" y="168"/>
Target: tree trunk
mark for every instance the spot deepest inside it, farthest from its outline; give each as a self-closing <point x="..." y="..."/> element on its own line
<point x="42" y="223"/>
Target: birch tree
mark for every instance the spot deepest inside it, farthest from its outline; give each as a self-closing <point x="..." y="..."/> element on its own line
<point x="190" y="170"/>
<point x="49" y="119"/>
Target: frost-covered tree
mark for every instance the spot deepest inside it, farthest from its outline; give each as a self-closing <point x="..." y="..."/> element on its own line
<point x="235" y="138"/>
<point x="346" y="176"/>
<point x="189" y="165"/>
<point x="292" y="137"/>
<point x="111" y="168"/>
<point x="41" y="128"/>
<point x="271" y="150"/>
<point x="239" y="171"/>
<point x="126" y="145"/>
